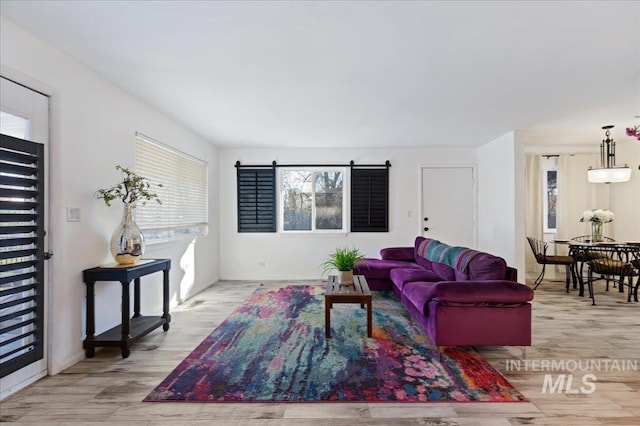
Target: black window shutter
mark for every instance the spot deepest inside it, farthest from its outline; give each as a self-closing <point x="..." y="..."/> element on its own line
<point x="256" y="200"/>
<point x="21" y="253"/>
<point x="369" y="200"/>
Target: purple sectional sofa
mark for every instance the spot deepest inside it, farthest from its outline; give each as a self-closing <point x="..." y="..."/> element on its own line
<point x="460" y="296"/>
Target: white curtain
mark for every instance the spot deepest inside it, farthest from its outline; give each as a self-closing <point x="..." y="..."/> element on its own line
<point x="533" y="207"/>
<point x="576" y="194"/>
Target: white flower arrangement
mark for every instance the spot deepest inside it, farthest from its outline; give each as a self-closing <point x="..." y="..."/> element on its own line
<point x="597" y="215"/>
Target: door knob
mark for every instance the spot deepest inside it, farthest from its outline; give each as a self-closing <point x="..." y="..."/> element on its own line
<point x="426" y="229"/>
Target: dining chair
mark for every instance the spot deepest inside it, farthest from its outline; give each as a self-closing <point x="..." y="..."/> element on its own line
<point x="580" y="254"/>
<point x="615" y="263"/>
<point x="539" y="249"/>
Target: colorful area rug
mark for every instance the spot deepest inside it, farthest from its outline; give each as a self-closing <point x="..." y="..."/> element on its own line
<point x="273" y="349"/>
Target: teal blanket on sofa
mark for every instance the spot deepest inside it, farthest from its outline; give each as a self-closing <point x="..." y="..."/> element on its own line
<point x="454" y="256"/>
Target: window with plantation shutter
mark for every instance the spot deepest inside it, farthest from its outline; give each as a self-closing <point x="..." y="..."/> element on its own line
<point x="21" y="253"/>
<point x="257" y="200"/>
<point x="369" y="200"/>
<point x="313" y="198"/>
<point x="183" y="193"/>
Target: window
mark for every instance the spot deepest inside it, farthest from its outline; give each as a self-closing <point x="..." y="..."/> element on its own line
<point x="552" y="196"/>
<point x="312" y="200"/>
<point x="549" y="194"/>
<point x="14" y="125"/>
<point x="183" y="211"/>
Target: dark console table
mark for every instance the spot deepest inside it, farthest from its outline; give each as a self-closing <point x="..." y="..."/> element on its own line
<point x="122" y="335"/>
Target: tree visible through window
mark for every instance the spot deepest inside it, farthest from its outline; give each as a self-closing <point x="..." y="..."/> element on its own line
<point x="329" y="200"/>
<point x="552" y="196"/>
<point x="312" y="200"/>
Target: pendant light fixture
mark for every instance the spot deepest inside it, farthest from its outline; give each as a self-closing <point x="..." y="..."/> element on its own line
<point x="608" y="172"/>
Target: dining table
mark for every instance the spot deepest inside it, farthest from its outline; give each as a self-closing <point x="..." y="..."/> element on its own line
<point x="626" y="251"/>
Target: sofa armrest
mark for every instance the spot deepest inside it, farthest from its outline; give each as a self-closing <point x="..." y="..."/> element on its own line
<point x="397" y="253"/>
<point x="512" y="274"/>
<point x="493" y="291"/>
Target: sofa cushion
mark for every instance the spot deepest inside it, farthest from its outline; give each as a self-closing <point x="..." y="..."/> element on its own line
<point x="418" y="293"/>
<point x="417" y="257"/>
<point x="492" y="291"/>
<point x="439" y="252"/>
<point x="443" y="271"/>
<point x="377" y="268"/>
<point x="483" y="266"/>
<point x="452" y="262"/>
<point x="402" y="276"/>
<point x="446" y="273"/>
<point x="397" y="253"/>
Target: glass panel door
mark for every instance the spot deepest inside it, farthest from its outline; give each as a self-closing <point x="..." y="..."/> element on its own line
<point x="24" y="129"/>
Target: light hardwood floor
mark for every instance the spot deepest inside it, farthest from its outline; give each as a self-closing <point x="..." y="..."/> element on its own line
<point x="566" y="329"/>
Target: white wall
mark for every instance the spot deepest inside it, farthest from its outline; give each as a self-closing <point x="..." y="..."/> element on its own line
<point x="501" y="200"/>
<point x="299" y="256"/>
<point x="93" y="125"/>
<point x="520" y="245"/>
<point x="624" y="199"/>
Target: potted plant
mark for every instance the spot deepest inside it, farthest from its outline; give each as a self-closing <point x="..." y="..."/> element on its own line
<point x="127" y="243"/>
<point x="343" y="260"/>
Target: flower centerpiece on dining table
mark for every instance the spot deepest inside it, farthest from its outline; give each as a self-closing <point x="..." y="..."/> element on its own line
<point x="597" y="217"/>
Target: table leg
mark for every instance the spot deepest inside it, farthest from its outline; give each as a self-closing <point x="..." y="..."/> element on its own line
<point x="573" y="267"/>
<point x="581" y="280"/>
<point x="136" y="298"/>
<point x="126" y="325"/>
<point x="327" y="319"/>
<point x="369" y="319"/>
<point x="89" y="348"/>
<point x="165" y="299"/>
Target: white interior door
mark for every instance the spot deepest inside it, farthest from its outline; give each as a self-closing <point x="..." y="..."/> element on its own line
<point x="448" y="205"/>
<point x="24" y="114"/>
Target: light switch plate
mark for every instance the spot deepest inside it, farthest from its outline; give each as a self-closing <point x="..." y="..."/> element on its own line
<point x="73" y="214"/>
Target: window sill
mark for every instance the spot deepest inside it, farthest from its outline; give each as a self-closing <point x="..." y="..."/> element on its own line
<point x="162" y="237"/>
<point x="314" y="233"/>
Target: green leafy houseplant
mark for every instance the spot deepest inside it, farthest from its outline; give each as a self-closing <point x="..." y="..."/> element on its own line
<point x="342" y="259"/>
<point x="132" y="189"/>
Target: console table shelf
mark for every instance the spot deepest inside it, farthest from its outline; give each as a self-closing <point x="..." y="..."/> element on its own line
<point x="131" y="328"/>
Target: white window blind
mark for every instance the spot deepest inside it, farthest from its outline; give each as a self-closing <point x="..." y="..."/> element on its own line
<point x="183" y="193"/>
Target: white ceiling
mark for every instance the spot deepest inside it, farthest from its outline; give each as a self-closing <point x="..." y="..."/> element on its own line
<point x="360" y="73"/>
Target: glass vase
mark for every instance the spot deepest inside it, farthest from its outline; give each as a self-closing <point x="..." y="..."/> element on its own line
<point x="127" y="242"/>
<point x="596" y="232"/>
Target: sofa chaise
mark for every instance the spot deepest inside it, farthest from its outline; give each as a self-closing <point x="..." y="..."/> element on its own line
<point x="460" y="296"/>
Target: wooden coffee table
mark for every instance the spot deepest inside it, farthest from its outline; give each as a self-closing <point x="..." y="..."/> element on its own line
<point x="357" y="293"/>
